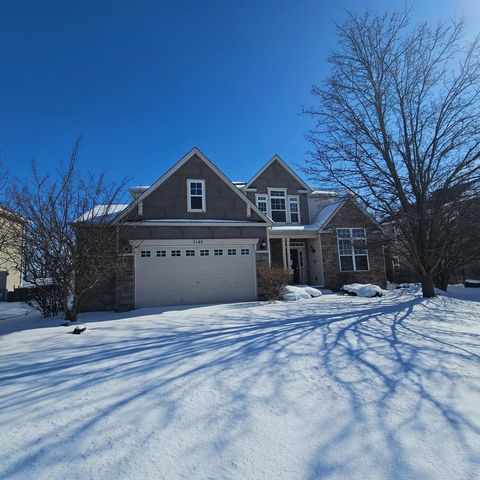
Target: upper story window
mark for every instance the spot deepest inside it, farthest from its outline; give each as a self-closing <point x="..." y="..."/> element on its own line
<point x="294" y="209"/>
<point x="352" y="249"/>
<point x="278" y="205"/>
<point x="262" y="203"/>
<point x="196" y="196"/>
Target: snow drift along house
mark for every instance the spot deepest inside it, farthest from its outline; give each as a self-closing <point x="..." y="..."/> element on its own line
<point x="195" y="237"/>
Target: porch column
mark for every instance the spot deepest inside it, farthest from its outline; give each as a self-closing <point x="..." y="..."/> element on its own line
<point x="284" y="254"/>
<point x="288" y="256"/>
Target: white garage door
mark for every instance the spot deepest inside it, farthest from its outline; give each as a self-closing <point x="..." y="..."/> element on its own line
<point x="194" y="274"/>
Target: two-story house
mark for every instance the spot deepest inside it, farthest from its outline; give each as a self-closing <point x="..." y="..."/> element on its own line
<point x="11" y="241"/>
<point x="195" y="237"/>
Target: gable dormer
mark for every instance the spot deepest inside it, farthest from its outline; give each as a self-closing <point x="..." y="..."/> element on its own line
<point x="279" y="193"/>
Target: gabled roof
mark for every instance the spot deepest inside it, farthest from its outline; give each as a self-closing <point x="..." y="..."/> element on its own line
<point x="101" y="213"/>
<point x="11" y="215"/>
<point x="276" y="158"/>
<point x="194" y="151"/>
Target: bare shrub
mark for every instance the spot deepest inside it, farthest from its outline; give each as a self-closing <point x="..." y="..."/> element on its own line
<point x="273" y="282"/>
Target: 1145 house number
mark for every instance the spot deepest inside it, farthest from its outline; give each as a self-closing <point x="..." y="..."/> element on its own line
<point x="198" y="242"/>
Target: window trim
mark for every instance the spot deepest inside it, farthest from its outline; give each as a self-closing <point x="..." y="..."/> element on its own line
<point x="267" y="202"/>
<point x="285" y="197"/>
<point x="190" y="196"/>
<point x="396" y="263"/>
<point x="351" y="238"/>
<point x="297" y="198"/>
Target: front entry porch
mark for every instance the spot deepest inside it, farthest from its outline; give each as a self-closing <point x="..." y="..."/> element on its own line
<point x="302" y="258"/>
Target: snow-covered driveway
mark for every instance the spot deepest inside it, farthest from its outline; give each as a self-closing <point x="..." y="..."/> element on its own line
<point x="333" y="387"/>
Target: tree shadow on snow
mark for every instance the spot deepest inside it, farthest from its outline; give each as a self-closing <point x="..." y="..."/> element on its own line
<point x="361" y="345"/>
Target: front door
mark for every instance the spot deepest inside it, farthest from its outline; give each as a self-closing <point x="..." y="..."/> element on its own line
<point x="297" y="263"/>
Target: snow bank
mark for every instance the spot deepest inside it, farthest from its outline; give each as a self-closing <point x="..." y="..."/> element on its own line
<point x="363" y="290"/>
<point x="293" y="293"/>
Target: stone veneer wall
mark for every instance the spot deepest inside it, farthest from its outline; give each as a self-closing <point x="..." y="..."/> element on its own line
<point x="350" y="215"/>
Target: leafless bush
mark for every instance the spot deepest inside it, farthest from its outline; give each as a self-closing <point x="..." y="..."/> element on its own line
<point x="69" y="241"/>
<point x="273" y="282"/>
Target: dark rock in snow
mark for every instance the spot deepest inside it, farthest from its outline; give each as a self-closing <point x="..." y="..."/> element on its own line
<point x="79" y="329"/>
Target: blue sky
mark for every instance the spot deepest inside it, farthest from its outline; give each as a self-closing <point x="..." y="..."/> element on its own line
<point x="144" y="81"/>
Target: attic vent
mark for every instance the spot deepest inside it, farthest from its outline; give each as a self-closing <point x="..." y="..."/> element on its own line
<point x="140" y="208"/>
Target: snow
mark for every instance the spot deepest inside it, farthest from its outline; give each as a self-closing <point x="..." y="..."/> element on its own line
<point x="459" y="291"/>
<point x="334" y="387"/>
<point x="294" y="228"/>
<point x="102" y="211"/>
<point x="363" y="289"/>
<point x="325" y="192"/>
<point x="300" y="292"/>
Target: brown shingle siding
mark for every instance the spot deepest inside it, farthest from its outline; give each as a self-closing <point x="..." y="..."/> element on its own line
<point x="169" y="200"/>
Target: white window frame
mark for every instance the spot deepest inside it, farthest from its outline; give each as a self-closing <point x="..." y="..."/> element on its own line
<point x="396" y="263"/>
<point x="351" y="238"/>
<point x="297" y="198"/>
<point x="267" y="201"/>
<point x="189" y="196"/>
<point x="285" y="197"/>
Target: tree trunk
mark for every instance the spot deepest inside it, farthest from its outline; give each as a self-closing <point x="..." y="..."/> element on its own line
<point x="70" y="312"/>
<point x="428" y="289"/>
<point x="442" y="279"/>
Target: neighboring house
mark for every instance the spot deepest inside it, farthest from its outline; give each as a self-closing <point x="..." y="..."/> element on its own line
<point x="11" y="238"/>
<point x="399" y="269"/>
<point x="195" y="237"/>
<point x="398" y="266"/>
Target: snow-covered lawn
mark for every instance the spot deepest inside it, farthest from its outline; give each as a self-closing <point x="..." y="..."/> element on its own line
<point x="332" y="387"/>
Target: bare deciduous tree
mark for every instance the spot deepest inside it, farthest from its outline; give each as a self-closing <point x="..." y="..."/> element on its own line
<point x="70" y="243"/>
<point x="398" y="126"/>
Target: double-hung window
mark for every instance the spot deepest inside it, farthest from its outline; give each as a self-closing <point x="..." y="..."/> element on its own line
<point x="396" y="264"/>
<point x="278" y="205"/>
<point x="196" y="196"/>
<point x="262" y="203"/>
<point x="294" y="209"/>
<point x="352" y="249"/>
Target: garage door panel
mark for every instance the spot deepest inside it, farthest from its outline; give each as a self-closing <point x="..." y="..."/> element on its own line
<point x="177" y="280"/>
